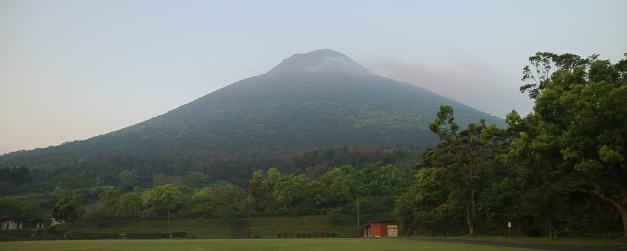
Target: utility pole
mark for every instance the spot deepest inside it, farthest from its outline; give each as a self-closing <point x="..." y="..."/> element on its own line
<point x="358" y="215"/>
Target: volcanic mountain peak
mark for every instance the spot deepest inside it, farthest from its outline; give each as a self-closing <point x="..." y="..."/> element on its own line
<point x="319" y="61"/>
<point x="317" y="100"/>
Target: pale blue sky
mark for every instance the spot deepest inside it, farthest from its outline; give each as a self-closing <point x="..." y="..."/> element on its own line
<point x="76" y="69"/>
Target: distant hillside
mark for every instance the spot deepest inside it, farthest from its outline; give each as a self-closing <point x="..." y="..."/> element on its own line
<point x="317" y="100"/>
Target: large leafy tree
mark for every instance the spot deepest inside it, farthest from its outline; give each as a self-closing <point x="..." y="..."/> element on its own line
<point x="68" y="205"/>
<point x="298" y="195"/>
<point x="109" y="202"/>
<point x="220" y="200"/>
<point x="459" y="165"/>
<point x="130" y="204"/>
<point x="424" y="206"/>
<point x="465" y="156"/>
<point x="196" y="179"/>
<point x="128" y="180"/>
<point x="259" y="189"/>
<point x="575" y="136"/>
<point x="164" y="199"/>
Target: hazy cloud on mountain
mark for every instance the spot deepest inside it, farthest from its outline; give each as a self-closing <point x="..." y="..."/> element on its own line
<point x="472" y="83"/>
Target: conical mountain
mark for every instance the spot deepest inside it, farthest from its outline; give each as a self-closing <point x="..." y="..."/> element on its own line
<point x="320" y="99"/>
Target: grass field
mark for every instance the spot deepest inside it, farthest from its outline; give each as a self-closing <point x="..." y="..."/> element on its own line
<point x="572" y="241"/>
<point x="245" y="244"/>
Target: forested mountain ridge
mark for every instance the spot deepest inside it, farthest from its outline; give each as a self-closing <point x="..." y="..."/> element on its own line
<point x="317" y="100"/>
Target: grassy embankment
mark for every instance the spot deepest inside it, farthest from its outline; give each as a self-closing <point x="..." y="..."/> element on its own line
<point x="262" y="227"/>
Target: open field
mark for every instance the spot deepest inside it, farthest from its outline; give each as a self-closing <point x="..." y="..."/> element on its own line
<point x="246" y="244"/>
<point x="570" y="241"/>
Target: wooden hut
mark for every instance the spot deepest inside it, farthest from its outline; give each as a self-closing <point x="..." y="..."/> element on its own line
<point x="381" y="229"/>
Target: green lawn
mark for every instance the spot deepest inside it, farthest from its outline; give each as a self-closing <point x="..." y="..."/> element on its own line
<point x="243" y="244"/>
<point x="574" y="241"/>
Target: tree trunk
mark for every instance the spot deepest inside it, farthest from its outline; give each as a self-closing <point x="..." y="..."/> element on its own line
<point x="624" y="223"/>
<point x="473" y="205"/>
<point x="620" y="204"/>
<point x="471" y="228"/>
<point x="471" y="214"/>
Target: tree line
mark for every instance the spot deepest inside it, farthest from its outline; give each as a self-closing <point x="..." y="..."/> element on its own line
<point x="268" y="193"/>
<point x="559" y="169"/>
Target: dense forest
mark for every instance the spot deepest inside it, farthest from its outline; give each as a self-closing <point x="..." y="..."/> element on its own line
<point x="560" y="169"/>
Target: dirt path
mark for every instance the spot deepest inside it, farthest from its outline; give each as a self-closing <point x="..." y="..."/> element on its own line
<point x="522" y="245"/>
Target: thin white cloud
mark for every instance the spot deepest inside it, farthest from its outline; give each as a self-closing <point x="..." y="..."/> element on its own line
<point x="468" y="82"/>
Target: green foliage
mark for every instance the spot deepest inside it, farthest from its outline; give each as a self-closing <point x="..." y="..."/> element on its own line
<point x="335" y="193"/>
<point x="196" y="179"/>
<point x="15" y="175"/>
<point x="444" y="117"/>
<point x="164" y="199"/>
<point x="423" y="206"/>
<point x="576" y="134"/>
<point x="68" y="205"/>
<point x="453" y="176"/>
<point x="109" y="202"/>
<point x="500" y="202"/>
<point x="130" y="205"/>
<point x="128" y="180"/>
<point x="218" y="201"/>
<point x="538" y="171"/>
<point x="29" y="212"/>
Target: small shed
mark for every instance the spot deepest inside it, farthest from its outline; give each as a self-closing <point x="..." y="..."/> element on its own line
<point x="381" y="229"/>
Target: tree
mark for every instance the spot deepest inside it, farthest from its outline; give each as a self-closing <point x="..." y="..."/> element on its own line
<point x="196" y="179"/>
<point x="219" y="201"/>
<point x="109" y="202"/>
<point x="16" y="175"/>
<point x="68" y="205"/>
<point x="258" y="188"/>
<point x="576" y="133"/>
<point x="128" y="180"/>
<point x="23" y="211"/>
<point x="457" y="163"/>
<point x="296" y="195"/>
<point x="164" y="199"/>
<point x="10" y="209"/>
<point x="130" y="204"/>
<point x="460" y="152"/>
<point x="344" y="183"/>
<point x="424" y="206"/>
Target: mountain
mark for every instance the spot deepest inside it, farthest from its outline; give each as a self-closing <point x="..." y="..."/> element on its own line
<point x="317" y="100"/>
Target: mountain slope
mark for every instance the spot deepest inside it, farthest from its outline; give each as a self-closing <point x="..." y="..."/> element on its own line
<point x="316" y="100"/>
